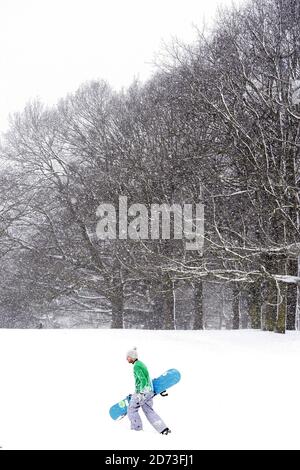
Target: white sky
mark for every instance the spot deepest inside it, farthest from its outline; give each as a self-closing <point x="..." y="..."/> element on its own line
<point x="49" y="47"/>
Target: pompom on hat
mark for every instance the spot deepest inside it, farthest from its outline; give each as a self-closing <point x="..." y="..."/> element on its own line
<point x="132" y="353"/>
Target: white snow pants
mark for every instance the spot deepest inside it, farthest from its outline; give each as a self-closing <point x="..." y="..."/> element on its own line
<point x="144" y="401"/>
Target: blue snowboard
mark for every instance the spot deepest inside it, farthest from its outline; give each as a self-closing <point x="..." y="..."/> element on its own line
<point x="160" y="384"/>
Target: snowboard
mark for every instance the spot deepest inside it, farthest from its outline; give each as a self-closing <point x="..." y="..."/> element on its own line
<point x="160" y="385"/>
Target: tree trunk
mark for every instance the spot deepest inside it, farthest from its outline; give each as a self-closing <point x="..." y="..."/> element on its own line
<point x="291" y="306"/>
<point x="282" y="297"/>
<point x="291" y="298"/>
<point x="168" y="319"/>
<point x="298" y="300"/>
<point x="117" y="311"/>
<point x="270" y="294"/>
<point x="282" y="310"/>
<point x="198" y="309"/>
<point x="221" y="315"/>
<point x="255" y="306"/>
<point x="270" y="307"/>
<point x="236" y="308"/>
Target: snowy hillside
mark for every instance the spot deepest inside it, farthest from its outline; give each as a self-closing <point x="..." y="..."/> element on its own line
<point x="238" y="389"/>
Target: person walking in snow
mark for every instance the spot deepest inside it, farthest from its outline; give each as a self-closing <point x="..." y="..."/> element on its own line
<point x="143" y="397"/>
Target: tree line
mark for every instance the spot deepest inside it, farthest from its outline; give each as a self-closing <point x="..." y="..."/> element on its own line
<point x="217" y="124"/>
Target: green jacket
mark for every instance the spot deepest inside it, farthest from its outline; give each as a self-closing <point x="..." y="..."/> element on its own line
<point x="143" y="383"/>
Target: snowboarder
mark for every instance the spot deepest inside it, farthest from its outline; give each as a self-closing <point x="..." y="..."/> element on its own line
<point x="143" y="397"/>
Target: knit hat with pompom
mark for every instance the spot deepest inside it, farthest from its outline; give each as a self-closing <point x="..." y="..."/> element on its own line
<point x="132" y="353"/>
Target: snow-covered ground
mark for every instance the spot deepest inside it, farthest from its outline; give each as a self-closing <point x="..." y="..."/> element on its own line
<point x="238" y="389"/>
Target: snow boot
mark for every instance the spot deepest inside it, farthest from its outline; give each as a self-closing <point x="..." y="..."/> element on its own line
<point x="166" y="431"/>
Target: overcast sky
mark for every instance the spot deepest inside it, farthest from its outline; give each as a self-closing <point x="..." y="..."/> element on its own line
<point x="49" y="47"/>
